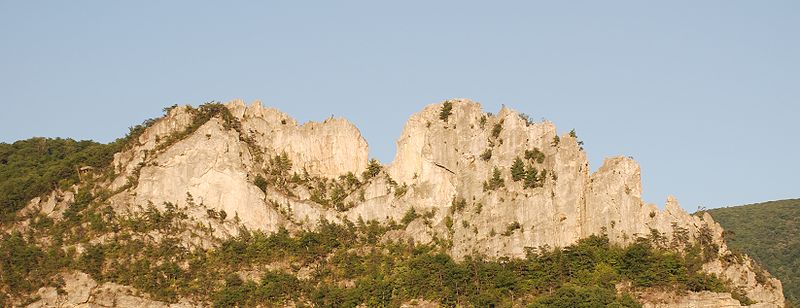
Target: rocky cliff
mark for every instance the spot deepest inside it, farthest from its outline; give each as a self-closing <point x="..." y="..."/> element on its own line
<point x="497" y="185"/>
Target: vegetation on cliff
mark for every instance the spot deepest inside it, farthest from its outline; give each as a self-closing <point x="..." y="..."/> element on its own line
<point x="768" y="232"/>
<point x="337" y="265"/>
<point x="171" y="253"/>
<point x="33" y="167"/>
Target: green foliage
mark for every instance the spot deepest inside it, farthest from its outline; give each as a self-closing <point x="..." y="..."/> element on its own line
<point x="514" y="226"/>
<point x="457" y="205"/>
<point x="91" y="261"/>
<point x="496" y="129"/>
<point x="445" y="112"/>
<point x="275" y="288"/>
<point x="448" y="222"/>
<point x="277" y="170"/>
<point x="570" y="296"/>
<point x="373" y="169"/>
<point x="381" y="273"/>
<point x="486" y="155"/>
<point x="32" y="167"/>
<point x="768" y="232"/>
<point x="518" y="170"/>
<point x="574" y="135"/>
<point x="201" y="116"/>
<point x="401" y="190"/>
<point x="555" y="141"/>
<point x="495" y="182"/>
<point x="410" y="216"/>
<point x="535" y="155"/>
<point x="532" y="178"/>
<point x="332" y="193"/>
<point x="25" y="266"/>
<point x="261" y="183"/>
<point x="526" y="118"/>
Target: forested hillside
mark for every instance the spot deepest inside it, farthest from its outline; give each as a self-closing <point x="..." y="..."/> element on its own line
<point x="35" y="166"/>
<point x="770" y="233"/>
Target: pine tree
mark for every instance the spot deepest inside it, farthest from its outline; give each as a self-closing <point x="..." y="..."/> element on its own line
<point x="531" y="178"/>
<point x="446" y="111"/>
<point x="518" y="170"/>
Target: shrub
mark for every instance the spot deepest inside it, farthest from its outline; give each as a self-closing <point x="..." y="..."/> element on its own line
<point x="401" y="190"/>
<point x="535" y="155"/>
<point x="496" y="129"/>
<point x="91" y="261"/>
<point x="510" y="228"/>
<point x="410" y="216"/>
<point x="458" y="205"/>
<point x="373" y="169"/>
<point x="279" y="165"/>
<point x="486" y="155"/>
<point x="526" y="118"/>
<point x="261" y="183"/>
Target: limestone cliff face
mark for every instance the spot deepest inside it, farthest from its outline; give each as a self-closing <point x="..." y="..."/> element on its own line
<point x="80" y="290"/>
<point x="456" y="167"/>
<point x="327" y="149"/>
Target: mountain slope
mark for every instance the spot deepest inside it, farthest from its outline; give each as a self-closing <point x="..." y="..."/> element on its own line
<point x="227" y="202"/>
<point x="770" y="233"/>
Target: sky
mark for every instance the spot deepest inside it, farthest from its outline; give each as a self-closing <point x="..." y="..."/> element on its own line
<point x="705" y="95"/>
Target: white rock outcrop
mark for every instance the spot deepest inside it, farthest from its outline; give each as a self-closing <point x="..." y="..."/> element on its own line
<point x="438" y="161"/>
<point x="80" y="290"/>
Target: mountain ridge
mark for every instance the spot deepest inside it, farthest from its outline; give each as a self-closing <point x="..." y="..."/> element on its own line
<point x="767" y="231"/>
<point x="467" y="181"/>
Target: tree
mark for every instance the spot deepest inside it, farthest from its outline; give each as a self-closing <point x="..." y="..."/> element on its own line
<point x="531" y="178"/>
<point x="373" y="169"/>
<point x="446" y="111"/>
<point x="518" y="170"/>
<point x="496" y="181"/>
<point x="279" y="165"/>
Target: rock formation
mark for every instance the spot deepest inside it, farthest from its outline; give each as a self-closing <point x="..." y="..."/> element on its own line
<point x="455" y="165"/>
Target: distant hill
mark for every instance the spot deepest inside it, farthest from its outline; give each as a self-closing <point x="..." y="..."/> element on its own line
<point x="770" y="233"/>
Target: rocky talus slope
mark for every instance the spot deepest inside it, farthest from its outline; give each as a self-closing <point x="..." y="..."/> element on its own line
<point x="497" y="185"/>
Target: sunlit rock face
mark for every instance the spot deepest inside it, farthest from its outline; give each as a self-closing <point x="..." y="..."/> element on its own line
<point x="456" y="165"/>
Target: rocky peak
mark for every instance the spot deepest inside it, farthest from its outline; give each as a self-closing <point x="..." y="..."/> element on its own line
<point x="499" y="185"/>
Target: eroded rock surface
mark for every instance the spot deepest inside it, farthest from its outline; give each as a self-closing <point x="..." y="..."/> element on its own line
<point x="80" y="290"/>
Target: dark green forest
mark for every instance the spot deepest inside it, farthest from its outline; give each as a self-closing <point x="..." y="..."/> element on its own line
<point x="770" y="233"/>
<point x="35" y="166"/>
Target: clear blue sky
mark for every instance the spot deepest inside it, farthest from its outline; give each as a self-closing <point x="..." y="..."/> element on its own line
<point x="704" y="94"/>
